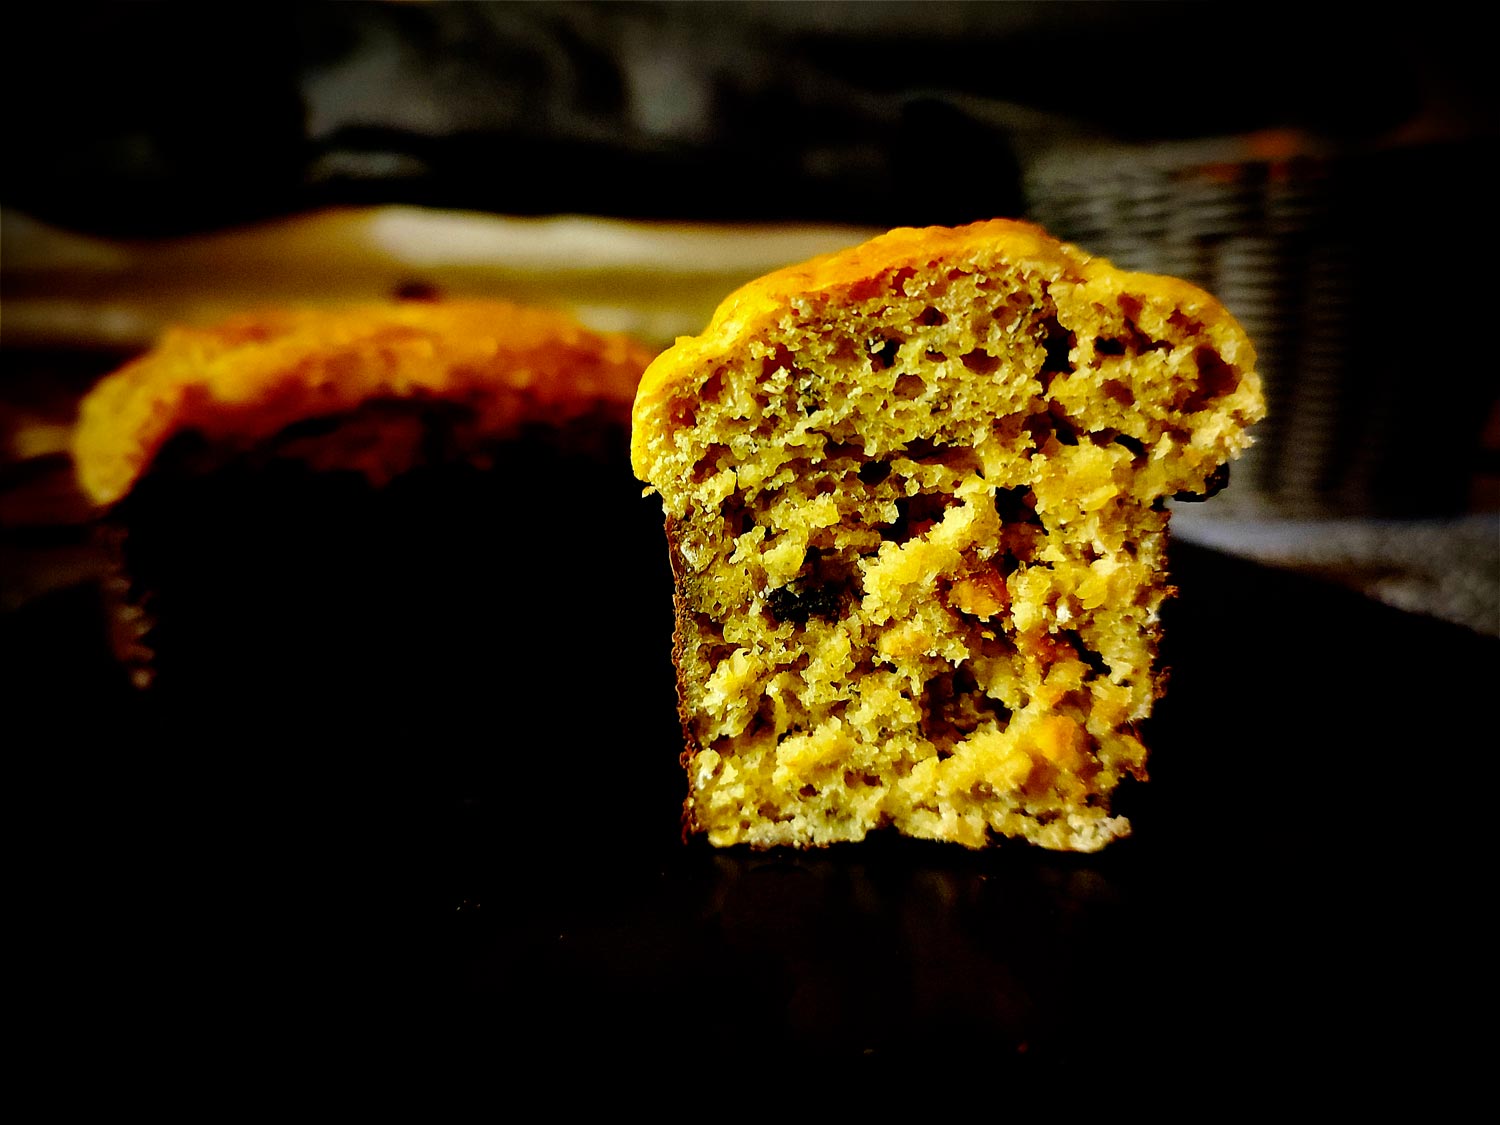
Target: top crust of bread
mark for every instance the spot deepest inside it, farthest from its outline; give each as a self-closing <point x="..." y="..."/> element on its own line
<point x="246" y="378"/>
<point x="756" y="306"/>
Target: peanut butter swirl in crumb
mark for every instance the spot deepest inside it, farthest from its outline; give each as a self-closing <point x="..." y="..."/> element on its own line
<point x="913" y="497"/>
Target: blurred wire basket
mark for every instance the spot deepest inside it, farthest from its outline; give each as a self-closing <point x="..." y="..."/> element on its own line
<point x="1354" y="302"/>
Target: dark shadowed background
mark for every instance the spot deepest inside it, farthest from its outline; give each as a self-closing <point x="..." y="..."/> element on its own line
<point x="157" y="118"/>
<point x="1316" y="169"/>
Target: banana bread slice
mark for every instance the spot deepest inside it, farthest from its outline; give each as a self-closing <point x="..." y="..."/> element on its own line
<point x="914" y="498"/>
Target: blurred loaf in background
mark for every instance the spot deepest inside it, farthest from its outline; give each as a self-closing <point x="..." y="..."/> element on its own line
<point x="363" y="542"/>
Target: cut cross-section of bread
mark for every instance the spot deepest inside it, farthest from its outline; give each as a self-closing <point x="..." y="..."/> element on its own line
<point x="914" y="499"/>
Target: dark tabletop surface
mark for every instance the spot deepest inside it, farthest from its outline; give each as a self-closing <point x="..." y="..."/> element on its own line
<point x="1306" y="878"/>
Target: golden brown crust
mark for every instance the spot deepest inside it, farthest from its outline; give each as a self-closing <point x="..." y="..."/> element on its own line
<point x="754" y="307"/>
<point x="247" y="378"/>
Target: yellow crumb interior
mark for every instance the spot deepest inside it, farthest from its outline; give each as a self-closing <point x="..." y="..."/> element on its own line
<point x="919" y="545"/>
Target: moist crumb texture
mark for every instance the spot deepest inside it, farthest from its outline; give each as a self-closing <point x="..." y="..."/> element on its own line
<point x="914" y="503"/>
